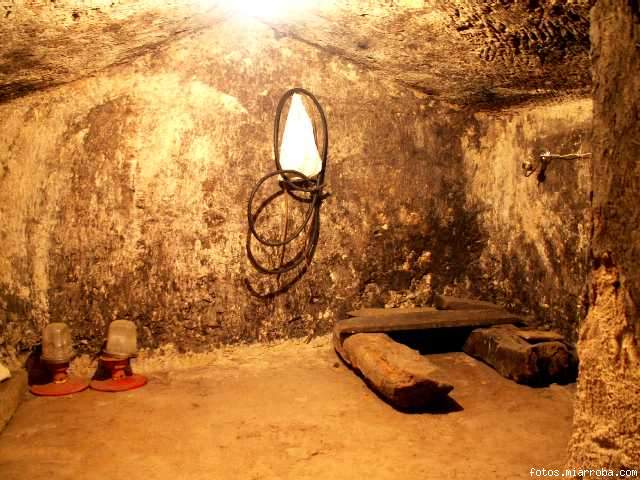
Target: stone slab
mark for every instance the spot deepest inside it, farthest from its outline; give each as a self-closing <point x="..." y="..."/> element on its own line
<point x="4" y="373"/>
<point x="11" y="393"/>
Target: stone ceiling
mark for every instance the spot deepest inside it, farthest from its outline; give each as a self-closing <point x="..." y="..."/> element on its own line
<point x="464" y="51"/>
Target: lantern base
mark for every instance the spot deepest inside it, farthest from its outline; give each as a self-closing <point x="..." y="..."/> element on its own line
<point x="130" y="382"/>
<point x="68" y="387"/>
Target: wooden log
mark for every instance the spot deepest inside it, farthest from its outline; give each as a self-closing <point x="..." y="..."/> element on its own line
<point x="443" y="302"/>
<point x="399" y="374"/>
<point x="537" y="336"/>
<point x="536" y="363"/>
<point x="507" y="353"/>
<point x="534" y="335"/>
<point x="421" y="321"/>
<point x="379" y="312"/>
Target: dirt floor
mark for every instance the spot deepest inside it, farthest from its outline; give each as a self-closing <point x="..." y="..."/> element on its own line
<point x="287" y="411"/>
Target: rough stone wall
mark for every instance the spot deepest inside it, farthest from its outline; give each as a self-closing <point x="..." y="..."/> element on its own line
<point x="466" y="51"/>
<point x="529" y="40"/>
<point x="607" y="413"/>
<point x="533" y="257"/>
<point x="44" y="44"/>
<point x="124" y="196"/>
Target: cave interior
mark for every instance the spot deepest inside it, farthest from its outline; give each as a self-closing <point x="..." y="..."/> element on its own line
<point x="334" y="239"/>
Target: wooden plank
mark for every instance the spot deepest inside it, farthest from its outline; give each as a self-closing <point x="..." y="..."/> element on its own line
<point x="421" y="321"/>
<point x="443" y="302"/>
<point x="398" y="373"/>
<point x="537" y="336"/>
<point x="534" y="335"/>
<point x="379" y="312"/>
<point x="426" y="320"/>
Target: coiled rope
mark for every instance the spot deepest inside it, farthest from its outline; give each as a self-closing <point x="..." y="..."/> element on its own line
<point x="299" y="187"/>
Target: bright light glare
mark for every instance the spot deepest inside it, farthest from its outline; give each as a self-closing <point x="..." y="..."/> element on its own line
<point x="299" y="151"/>
<point x="269" y="9"/>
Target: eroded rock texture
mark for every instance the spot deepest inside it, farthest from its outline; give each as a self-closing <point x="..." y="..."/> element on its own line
<point x="124" y="196"/>
<point x="607" y="416"/>
<point x="462" y="50"/>
<point x="44" y="44"/>
<point x="474" y="51"/>
<point x="534" y="259"/>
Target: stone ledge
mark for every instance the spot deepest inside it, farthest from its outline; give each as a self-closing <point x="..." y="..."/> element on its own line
<point x="11" y="393"/>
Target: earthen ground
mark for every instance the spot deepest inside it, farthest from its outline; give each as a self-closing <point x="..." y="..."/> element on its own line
<point x="291" y="410"/>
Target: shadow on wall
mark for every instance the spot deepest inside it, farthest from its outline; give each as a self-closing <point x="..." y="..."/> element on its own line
<point x="408" y="260"/>
<point x="15" y="311"/>
<point x="491" y="233"/>
<point x="406" y="265"/>
<point x="535" y="259"/>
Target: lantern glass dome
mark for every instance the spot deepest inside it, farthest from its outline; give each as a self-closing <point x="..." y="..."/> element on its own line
<point x="122" y="339"/>
<point x="57" y="346"/>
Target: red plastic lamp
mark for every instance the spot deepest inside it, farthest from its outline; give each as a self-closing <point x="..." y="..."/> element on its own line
<point x="57" y="352"/>
<point x="122" y="346"/>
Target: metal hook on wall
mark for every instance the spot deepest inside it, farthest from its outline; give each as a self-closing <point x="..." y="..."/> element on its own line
<point x="545" y="159"/>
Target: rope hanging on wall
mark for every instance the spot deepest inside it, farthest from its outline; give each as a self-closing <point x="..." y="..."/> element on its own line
<point x="301" y="188"/>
